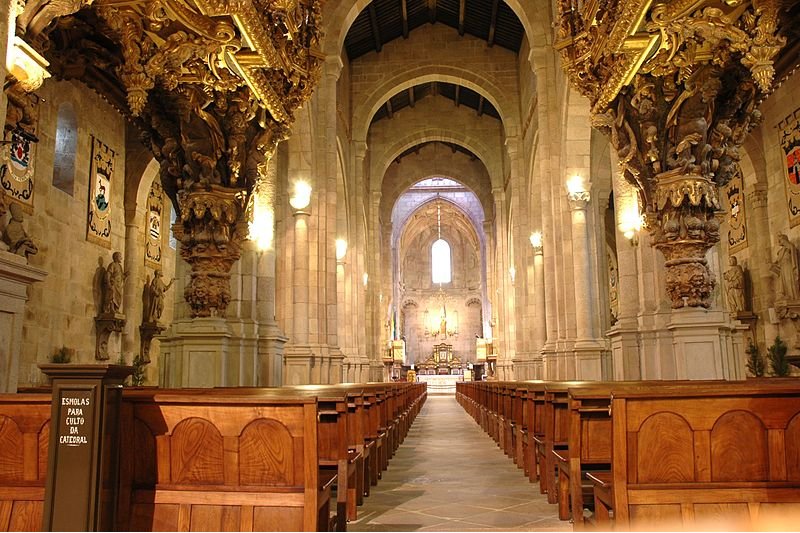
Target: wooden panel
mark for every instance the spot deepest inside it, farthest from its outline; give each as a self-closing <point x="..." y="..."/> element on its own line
<point x="721" y="516"/>
<point x="150" y="517"/>
<point x="739" y="449"/>
<point x="668" y="454"/>
<point x="26" y="516"/>
<point x="44" y="444"/>
<point x="11" y="453"/>
<point x="5" y="514"/>
<point x="655" y="517"/>
<point x="777" y="517"/>
<point x="215" y="518"/>
<point x="144" y="444"/>
<point x="266" y="454"/>
<point x="792" y="440"/>
<point x="596" y="433"/>
<point x="277" y="519"/>
<point x="196" y="453"/>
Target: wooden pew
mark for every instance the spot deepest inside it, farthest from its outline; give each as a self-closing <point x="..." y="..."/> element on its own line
<point x="228" y="462"/>
<point x="686" y="456"/>
<point x="24" y="440"/>
<point x="589" y="448"/>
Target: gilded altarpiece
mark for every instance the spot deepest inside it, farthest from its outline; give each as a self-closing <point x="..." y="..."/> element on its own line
<point x="790" y="144"/>
<point x="101" y="178"/>
<point x="154" y="241"/>
<point x="737" y="220"/>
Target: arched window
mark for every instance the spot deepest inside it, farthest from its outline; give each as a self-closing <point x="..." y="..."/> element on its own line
<point x="66" y="146"/>
<point x="440" y="261"/>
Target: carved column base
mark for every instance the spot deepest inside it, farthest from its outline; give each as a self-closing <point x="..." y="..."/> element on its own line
<point x="211" y="229"/>
<point x="147" y="331"/>
<point x="109" y="329"/>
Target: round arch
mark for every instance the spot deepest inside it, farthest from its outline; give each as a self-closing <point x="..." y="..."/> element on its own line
<point x="480" y="83"/>
<point x="534" y="16"/>
<point x="400" y="145"/>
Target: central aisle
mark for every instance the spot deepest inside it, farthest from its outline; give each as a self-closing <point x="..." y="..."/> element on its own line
<point x="448" y="475"/>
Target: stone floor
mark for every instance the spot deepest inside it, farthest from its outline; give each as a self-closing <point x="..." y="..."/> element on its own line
<point x="448" y="475"/>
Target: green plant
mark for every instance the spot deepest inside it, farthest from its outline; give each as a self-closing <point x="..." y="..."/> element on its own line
<point x="755" y="363"/>
<point x="61" y="355"/>
<point x="777" y="358"/>
<point x="139" y="374"/>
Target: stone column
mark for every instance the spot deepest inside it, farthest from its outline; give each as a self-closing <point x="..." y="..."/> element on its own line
<point x="131" y="297"/>
<point x="298" y="356"/>
<point x="587" y="346"/>
<point x="539" y="315"/>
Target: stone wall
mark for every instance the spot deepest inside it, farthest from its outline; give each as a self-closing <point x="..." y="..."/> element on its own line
<point x="61" y="309"/>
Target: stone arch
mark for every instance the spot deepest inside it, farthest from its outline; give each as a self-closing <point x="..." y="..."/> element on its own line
<point x="534" y="16"/>
<point x="480" y="83"/>
<point x="477" y="147"/>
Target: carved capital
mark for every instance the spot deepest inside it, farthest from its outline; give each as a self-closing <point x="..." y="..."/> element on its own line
<point x="578" y="200"/>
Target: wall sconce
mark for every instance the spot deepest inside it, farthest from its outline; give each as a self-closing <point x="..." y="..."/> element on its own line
<point x="262" y="223"/>
<point x="341" y="250"/>
<point x="513" y="273"/>
<point x="576" y="189"/>
<point x="301" y="197"/>
<point x="25" y="64"/>
<point x="631" y="221"/>
<point x="366" y="279"/>
<point x="536" y="241"/>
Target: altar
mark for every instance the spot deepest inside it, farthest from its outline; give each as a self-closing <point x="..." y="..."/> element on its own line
<point x="440" y="383"/>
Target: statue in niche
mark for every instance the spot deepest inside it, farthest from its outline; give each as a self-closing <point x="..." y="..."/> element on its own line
<point x="14" y="235"/>
<point x="113" y="284"/>
<point x="154" y="297"/>
<point x="734" y="286"/>
<point x="785" y="268"/>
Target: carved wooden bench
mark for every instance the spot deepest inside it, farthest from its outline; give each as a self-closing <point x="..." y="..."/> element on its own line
<point x="24" y="440"/>
<point x="228" y="462"/>
<point x="693" y="457"/>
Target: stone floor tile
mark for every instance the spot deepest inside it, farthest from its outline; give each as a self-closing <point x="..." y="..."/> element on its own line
<point x="448" y="475"/>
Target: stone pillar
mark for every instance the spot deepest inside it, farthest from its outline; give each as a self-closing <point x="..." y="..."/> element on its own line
<point x="271" y="339"/>
<point x="298" y="356"/>
<point x="130" y="296"/>
<point x="587" y="346"/>
<point x="15" y="277"/>
<point x="539" y="316"/>
<point x="356" y="266"/>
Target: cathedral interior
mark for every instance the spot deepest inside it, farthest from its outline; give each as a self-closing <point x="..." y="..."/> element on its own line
<point x="461" y="193"/>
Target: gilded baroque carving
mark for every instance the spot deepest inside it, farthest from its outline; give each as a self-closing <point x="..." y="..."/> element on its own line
<point x="675" y="84"/>
<point x="212" y="85"/>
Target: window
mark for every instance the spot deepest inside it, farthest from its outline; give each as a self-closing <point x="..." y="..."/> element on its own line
<point x="66" y="146"/>
<point x="440" y="261"/>
<point x="173" y="217"/>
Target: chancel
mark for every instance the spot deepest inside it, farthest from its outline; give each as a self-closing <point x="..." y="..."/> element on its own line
<point x="279" y="265"/>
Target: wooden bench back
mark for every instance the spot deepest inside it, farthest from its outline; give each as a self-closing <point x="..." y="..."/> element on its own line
<point x="24" y="440"/>
<point x="684" y="455"/>
<point x="216" y="461"/>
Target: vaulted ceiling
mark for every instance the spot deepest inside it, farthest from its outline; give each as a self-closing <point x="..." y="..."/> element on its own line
<point x="383" y="21"/>
<point x="453" y="147"/>
<point x="458" y="94"/>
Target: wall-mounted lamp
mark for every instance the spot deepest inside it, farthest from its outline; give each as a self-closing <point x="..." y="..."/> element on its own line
<point x="262" y="223"/>
<point x="301" y="196"/>
<point x="25" y="64"/>
<point x="536" y="241"/>
<point x="513" y="273"/>
<point x="630" y="221"/>
<point x="576" y="189"/>
<point x="341" y="249"/>
<point x="366" y="279"/>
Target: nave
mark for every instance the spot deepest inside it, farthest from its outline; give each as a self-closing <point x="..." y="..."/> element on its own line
<point x="448" y="475"/>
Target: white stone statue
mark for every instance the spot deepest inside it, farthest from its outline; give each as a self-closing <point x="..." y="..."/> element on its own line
<point x="113" y="285"/>
<point x="155" y="292"/>
<point x="785" y="268"/>
<point x="734" y="286"/>
<point x="14" y="235"/>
